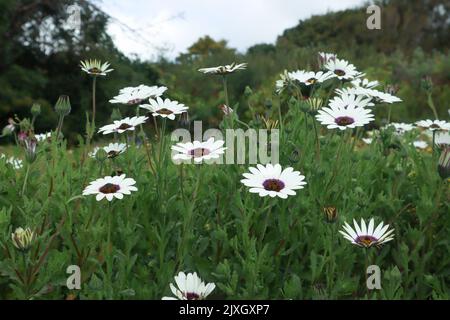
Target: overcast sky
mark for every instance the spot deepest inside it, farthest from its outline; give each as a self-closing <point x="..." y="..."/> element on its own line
<point x="174" y="25"/>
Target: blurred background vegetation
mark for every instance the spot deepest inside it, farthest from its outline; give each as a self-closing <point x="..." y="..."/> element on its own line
<point x="39" y="60"/>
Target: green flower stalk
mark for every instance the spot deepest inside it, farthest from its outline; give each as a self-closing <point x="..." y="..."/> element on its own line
<point x="62" y="108"/>
<point x="23" y="239"/>
<point x="95" y="68"/>
<point x="35" y="112"/>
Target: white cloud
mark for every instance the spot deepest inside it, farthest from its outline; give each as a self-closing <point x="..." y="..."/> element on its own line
<point x="176" y="24"/>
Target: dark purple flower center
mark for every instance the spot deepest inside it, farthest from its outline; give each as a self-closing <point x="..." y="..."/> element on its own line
<point x="191" y="296"/>
<point x="109" y="188"/>
<point x="95" y="70"/>
<point x="199" y="152"/>
<point x="124" y="126"/>
<point x="435" y="126"/>
<point x="366" y="241"/>
<point x="164" y="111"/>
<point x="344" y="121"/>
<point x="273" y="185"/>
<point x="339" y="72"/>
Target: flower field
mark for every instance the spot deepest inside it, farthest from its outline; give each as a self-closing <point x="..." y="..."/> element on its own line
<point x="142" y="215"/>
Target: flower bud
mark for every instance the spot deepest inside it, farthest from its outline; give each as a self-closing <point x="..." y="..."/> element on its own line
<point x="444" y="164"/>
<point x="331" y="214"/>
<point x="63" y="106"/>
<point x="184" y="121"/>
<point x="427" y="84"/>
<point x="101" y="155"/>
<point x="30" y="149"/>
<point x="116" y="115"/>
<point x="36" y="110"/>
<point x="248" y="91"/>
<point x="22" y="239"/>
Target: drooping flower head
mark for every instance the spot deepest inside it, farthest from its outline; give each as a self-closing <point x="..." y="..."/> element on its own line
<point x="272" y="180"/>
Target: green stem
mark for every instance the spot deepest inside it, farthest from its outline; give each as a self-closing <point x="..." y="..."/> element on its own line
<point x="60" y="124"/>
<point x="432" y="106"/>
<point x="94" y="91"/>
<point x="26" y="179"/>
<point x="227" y="100"/>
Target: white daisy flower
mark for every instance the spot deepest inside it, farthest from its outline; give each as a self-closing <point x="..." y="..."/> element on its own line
<point x="95" y="67"/>
<point x="442" y="139"/>
<point x="420" y="144"/>
<point x="120" y="126"/>
<point x="112" y="150"/>
<point x="342" y="69"/>
<point x="224" y="70"/>
<point x="401" y="128"/>
<point x="350" y="100"/>
<point x="367" y="236"/>
<point x="137" y="95"/>
<point x="43" y="136"/>
<point x="190" y="287"/>
<point x="110" y="187"/>
<point x="382" y="97"/>
<point x="365" y="83"/>
<point x="367" y="140"/>
<point x="310" y="77"/>
<point x="199" y="151"/>
<point x="14" y="162"/>
<point x="344" y="118"/>
<point x="271" y="180"/>
<point x="165" y="108"/>
<point x="434" y="125"/>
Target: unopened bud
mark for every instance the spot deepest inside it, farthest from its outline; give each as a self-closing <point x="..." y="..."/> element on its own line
<point x="63" y="106"/>
<point x="331" y="214"/>
<point x="116" y="115"/>
<point x="36" y="110"/>
<point x="248" y="91"/>
<point x="22" y="239"/>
